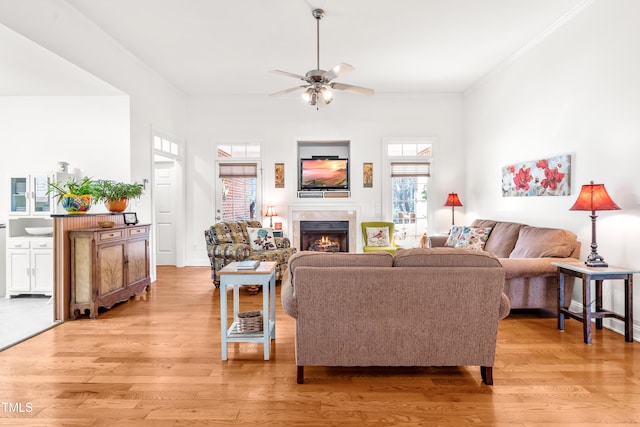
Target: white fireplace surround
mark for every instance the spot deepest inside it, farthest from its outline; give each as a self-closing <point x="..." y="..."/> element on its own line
<point x="324" y="213"/>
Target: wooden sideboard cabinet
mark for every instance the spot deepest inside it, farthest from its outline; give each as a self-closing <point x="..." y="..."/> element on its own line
<point x="108" y="266"/>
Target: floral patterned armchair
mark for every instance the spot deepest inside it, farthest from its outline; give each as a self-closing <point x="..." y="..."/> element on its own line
<point x="229" y="241"/>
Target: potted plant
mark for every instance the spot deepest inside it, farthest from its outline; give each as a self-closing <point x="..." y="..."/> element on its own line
<point x="116" y="195"/>
<point x="75" y="195"/>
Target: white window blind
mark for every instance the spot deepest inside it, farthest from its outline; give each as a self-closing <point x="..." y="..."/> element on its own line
<point x="238" y="170"/>
<point x="400" y="169"/>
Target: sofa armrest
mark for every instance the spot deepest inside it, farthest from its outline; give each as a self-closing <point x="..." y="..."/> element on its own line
<point x="232" y="251"/>
<point x="505" y="306"/>
<point x="437" y="240"/>
<point x="288" y="297"/>
<point x="282" y="242"/>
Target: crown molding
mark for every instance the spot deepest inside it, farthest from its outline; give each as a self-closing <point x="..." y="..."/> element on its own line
<point x="531" y="43"/>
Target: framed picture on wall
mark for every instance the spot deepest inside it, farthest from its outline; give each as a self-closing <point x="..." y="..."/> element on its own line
<point x="367" y="175"/>
<point x="279" y="175"/>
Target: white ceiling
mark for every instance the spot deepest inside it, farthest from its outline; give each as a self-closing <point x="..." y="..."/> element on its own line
<point x="208" y="47"/>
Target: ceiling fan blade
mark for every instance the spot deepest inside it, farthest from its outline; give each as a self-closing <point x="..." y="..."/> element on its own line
<point x="288" y="74"/>
<point x="286" y="91"/>
<point x="337" y="71"/>
<point x="353" y="89"/>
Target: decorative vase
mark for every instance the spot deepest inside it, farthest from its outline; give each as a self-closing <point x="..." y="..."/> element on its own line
<point x="117" y="205"/>
<point x="75" y="204"/>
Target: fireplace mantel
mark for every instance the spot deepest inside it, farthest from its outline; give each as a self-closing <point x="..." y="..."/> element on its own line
<point x="349" y="213"/>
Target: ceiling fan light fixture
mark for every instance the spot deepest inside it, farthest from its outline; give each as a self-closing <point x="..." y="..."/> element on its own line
<point x="318" y="82"/>
<point x="306" y="95"/>
<point x="327" y="95"/>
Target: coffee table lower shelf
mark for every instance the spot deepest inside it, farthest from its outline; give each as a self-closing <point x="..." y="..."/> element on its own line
<point x="233" y="335"/>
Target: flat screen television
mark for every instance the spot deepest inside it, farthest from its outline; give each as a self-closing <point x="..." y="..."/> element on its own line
<point x="324" y="174"/>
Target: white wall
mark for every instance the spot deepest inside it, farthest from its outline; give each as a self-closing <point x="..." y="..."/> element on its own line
<point x="576" y="92"/>
<point x="90" y="133"/>
<point x="153" y="102"/>
<point x="58" y="27"/>
<point x="278" y="123"/>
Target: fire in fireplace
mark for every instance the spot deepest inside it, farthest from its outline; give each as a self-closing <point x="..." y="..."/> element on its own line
<point x="324" y="236"/>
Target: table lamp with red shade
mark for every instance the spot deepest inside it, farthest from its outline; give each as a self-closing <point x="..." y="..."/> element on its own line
<point x="594" y="197"/>
<point x="453" y="200"/>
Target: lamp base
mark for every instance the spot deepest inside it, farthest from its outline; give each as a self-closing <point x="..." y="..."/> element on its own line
<point x="596" y="264"/>
<point x="594" y="259"/>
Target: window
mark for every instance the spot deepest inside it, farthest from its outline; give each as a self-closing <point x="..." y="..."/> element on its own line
<point x="237" y="184"/>
<point x="165" y="146"/>
<point x="410" y="169"/>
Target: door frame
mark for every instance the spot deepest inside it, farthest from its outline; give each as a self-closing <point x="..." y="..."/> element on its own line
<point x="179" y="178"/>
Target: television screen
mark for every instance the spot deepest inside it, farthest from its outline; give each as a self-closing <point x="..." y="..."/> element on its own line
<point x="316" y="174"/>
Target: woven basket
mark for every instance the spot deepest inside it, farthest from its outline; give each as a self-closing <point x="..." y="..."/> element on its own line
<point x="249" y="322"/>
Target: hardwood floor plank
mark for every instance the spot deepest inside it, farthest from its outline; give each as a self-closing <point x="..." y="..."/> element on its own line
<point x="158" y="362"/>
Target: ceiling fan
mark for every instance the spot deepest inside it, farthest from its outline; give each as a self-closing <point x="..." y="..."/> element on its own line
<point x="318" y="83"/>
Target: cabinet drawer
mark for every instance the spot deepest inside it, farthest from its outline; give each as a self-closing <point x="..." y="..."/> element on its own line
<point x="41" y="243"/>
<point x="105" y="236"/>
<point x="18" y="244"/>
<point x="138" y="231"/>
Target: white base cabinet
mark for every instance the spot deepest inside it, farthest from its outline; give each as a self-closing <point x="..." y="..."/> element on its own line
<point x="29" y="266"/>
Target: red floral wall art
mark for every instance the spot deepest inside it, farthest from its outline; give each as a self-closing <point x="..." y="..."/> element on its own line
<point x="544" y="177"/>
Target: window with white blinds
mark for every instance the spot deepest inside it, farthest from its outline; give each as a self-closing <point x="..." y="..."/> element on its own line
<point x="238" y="170"/>
<point x="401" y="169"/>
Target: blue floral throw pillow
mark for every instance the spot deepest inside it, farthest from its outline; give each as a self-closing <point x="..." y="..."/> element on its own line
<point x="453" y="236"/>
<point x="261" y="238"/>
<point x="473" y="238"/>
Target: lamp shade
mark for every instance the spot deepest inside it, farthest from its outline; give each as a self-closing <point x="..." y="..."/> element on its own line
<point x="594" y="197"/>
<point x="271" y="211"/>
<point x="453" y="200"/>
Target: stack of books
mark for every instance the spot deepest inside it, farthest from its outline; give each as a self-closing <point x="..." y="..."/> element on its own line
<point x="248" y="265"/>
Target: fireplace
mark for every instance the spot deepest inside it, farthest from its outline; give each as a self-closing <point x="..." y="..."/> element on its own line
<point x="324" y="236"/>
<point x="347" y="215"/>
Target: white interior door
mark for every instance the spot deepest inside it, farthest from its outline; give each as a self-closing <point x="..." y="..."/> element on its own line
<point x="165" y="212"/>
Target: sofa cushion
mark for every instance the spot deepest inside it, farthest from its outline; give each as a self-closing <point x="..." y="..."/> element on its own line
<point x="339" y="259"/>
<point x="378" y="236"/>
<point x="503" y="238"/>
<point x="444" y="257"/>
<point x="261" y="238"/>
<point x="231" y="232"/>
<point x="538" y="242"/>
<point x="484" y="223"/>
<point x="528" y="267"/>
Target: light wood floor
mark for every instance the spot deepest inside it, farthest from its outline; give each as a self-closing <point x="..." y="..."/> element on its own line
<point x="157" y="362"/>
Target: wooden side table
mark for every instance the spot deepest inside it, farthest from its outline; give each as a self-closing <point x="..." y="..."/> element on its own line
<point x="598" y="274"/>
<point x="264" y="275"/>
